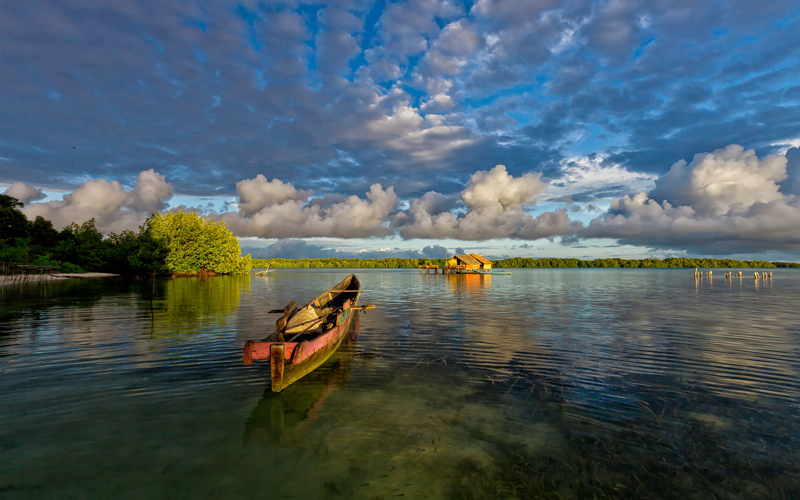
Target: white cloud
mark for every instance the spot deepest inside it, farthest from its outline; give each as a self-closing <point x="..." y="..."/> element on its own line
<point x="583" y="175"/>
<point x="112" y="207"/>
<point x="151" y="192"/>
<point x="438" y="103"/>
<point x="498" y="187"/>
<point x="494" y="202"/>
<point x="255" y="194"/>
<point x="715" y="183"/>
<point x="458" y="42"/>
<point x="297" y="218"/>
<point x="24" y="193"/>
<point x="727" y="201"/>
<point x="786" y="145"/>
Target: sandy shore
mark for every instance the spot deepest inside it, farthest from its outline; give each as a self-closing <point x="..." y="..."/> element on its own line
<point x="37" y="278"/>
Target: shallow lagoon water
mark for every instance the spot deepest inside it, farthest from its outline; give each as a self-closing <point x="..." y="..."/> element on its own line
<point x="544" y="384"/>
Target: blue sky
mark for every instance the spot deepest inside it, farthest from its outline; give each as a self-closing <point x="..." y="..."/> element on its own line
<point x="586" y="104"/>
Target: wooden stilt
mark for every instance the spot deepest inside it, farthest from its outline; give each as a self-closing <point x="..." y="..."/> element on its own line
<point x="276" y="361"/>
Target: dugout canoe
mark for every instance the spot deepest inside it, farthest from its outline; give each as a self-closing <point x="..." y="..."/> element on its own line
<point x="306" y="337"/>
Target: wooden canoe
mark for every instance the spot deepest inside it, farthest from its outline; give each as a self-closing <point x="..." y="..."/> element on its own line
<point x="306" y="337"/>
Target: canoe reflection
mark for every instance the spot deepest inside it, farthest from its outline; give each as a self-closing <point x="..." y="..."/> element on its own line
<point x="282" y="417"/>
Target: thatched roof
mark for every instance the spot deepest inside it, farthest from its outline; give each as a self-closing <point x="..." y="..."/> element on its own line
<point x="468" y="260"/>
<point x="480" y="258"/>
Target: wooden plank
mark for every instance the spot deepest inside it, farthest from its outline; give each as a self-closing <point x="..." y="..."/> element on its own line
<point x="276" y="363"/>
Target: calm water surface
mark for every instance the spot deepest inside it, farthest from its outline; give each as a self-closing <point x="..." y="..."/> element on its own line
<point x="542" y="384"/>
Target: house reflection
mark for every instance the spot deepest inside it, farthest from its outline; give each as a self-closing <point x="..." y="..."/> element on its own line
<point x="468" y="282"/>
<point x="283" y="417"/>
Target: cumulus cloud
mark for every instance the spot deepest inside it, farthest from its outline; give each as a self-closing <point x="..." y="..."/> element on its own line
<point x="255" y="194"/>
<point x="792" y="183"/>
<point x="151" y="193"/>
<point x="112" y="207"/>
<point x="498" y="187"/>
<point x="278" y="210"/>
<point x="24" y="193"/>
<point x="300" y="249"/>
<point x="433" y="203"/>
<point x="494" y="203"/>
<point x="715" y="183"/>
<point x="725" y="202"/>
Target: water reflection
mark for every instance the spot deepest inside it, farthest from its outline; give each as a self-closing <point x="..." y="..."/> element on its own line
<point x="186" y="303"/>
<point x="469" y="283"/>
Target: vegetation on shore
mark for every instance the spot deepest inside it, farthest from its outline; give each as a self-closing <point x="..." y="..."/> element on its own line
<point x="195" y="245"/>
<point x="522" y="262"/>
<point x="175" y="243"/>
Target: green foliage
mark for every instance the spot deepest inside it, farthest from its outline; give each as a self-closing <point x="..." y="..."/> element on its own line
<point x="66" y="267"/>
<point x="178" y="243"/>
<point x="522" y="262"/>
<point x="391" y="263"/>
<point x="83" y="245"/>
<point x="670" y="263"/>
<point x="13" y="223"/>
<point x="42" y="235"/>
<point x="150" y="256"/>
<point x="14" y="250"/>
<point x="196" y="246"/>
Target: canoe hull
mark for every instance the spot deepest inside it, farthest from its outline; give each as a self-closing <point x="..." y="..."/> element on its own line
<point x="309" y="346"/>
<point x="291" y="361"/>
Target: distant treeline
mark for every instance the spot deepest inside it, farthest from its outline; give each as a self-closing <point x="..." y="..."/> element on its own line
<point x="390" y="263"/>
<point x="671" y="263"/>
<point x="522" y="262"/>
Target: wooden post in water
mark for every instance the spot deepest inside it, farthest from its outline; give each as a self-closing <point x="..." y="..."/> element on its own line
<point x="276" y="366"/>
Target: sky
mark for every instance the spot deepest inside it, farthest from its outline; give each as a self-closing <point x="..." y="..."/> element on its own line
<point x="543" y="128"/>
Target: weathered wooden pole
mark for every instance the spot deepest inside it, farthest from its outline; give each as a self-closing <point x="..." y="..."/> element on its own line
<point x="276" y="361"/>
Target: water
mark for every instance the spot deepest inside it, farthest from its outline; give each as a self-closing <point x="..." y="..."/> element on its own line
<point x="543" y="384"/>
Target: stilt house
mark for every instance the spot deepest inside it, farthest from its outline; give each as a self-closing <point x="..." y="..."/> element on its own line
<point x="470" y="262"/>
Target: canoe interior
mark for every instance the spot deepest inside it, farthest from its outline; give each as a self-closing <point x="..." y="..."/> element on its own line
<point x="315" y="318"/>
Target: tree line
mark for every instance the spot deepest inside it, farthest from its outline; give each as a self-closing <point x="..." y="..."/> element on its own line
<point x="332" y="262"/>
<point x="522" y="262"/>
<point x="173" y="243"/>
